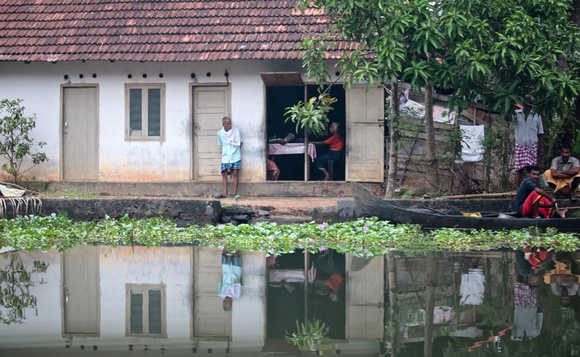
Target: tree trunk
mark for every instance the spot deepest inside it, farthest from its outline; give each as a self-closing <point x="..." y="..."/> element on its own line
<point x="392" y="311"/>
<point x="430" y="306"/>
<point x="431" y="155"/>
<point x="394" y="138"/>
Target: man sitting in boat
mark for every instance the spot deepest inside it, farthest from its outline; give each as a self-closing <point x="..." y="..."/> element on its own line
<point x="532" y="201"/>
<point x="564" y="174"/>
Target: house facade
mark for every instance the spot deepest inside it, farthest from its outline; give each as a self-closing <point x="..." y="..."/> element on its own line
<point x="135" y="91"/>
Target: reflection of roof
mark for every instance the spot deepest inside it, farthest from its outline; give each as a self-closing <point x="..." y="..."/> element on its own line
<point x="150" y="30"/>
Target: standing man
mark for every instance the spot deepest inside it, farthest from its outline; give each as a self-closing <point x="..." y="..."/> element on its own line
<point x="529" y="133"/>
<point x="563" y="176"/>
<point x="230" y="139"/>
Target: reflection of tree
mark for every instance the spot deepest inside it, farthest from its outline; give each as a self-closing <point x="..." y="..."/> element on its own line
<point x="15" y="285"/>
<point x="559" y="335"/>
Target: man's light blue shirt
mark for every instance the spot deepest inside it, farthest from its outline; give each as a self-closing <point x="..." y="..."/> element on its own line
<point x="230" y="153"/>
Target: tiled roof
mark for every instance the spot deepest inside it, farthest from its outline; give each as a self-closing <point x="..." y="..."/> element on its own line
<point x="153" y="30"/>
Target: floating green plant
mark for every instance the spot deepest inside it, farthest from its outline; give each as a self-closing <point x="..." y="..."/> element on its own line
<point x="364" y="237"/>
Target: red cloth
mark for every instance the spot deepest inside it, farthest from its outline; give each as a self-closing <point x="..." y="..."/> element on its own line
<point x="335" y="282"/>
<point x="524" y="295"/>
<point x="335" y="142"/>
<point x="525" y="156"/>
<point x="535" y="257"/>
<point x="528" y="209"/>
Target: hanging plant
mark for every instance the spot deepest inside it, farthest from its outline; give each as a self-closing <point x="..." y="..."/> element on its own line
<point x="312" y="115"/>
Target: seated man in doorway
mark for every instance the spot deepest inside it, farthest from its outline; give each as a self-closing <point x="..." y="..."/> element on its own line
<point x="564" y="174"/>
<point x="532" y="201"/>
<point x="336" y="149"/>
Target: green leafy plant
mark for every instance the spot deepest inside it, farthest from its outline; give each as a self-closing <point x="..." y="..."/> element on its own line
<point x="313" y="336"/>
<point x="15" y="283"/>
<point x="15" y="141"/>
<point x="498" y="143"/>
<point x="312" y="115"/>
<point x="365" y="237"/>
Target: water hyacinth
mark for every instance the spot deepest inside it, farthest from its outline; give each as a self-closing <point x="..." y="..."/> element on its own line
<point x="364" y="237"/>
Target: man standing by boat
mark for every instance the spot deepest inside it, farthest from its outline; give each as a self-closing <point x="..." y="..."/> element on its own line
<point x="529" y="134"/>
<point x="564" y="174"/>
<point x="532" y="201"/>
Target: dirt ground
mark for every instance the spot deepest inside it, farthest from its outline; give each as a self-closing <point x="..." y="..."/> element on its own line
<point x="298" y="206"/>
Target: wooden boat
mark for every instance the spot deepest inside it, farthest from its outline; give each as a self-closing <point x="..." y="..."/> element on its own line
<point x="371" y="205"/>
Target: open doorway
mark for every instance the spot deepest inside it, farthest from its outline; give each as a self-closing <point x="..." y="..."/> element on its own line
<point x="292" y="160"/>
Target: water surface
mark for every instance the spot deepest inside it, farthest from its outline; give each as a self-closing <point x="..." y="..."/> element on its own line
<point x="141" y="301"/>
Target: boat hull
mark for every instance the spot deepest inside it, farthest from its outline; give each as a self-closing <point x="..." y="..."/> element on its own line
<point x="371" y="205"/>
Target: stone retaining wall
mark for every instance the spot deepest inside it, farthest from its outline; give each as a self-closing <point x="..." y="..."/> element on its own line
<point x="183" y="212"/>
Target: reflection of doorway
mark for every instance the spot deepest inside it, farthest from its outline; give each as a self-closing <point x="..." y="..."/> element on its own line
<point x="80" y="284"/>
<point x="365" y="298"/>
<point x="290" y="298"/>
<point x="210" y="321"/>
<point x="283" y="93"/>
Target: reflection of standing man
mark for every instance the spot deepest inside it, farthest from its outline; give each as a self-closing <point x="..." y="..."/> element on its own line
<point x="231" y="285"/>
<point x="529" y="135"/>
<point x="527" y="318"/>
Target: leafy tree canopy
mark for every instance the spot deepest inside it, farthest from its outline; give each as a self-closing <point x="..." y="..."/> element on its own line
<point x="499" y="50"/>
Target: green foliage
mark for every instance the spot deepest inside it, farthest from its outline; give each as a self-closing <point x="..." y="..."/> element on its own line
<point x="313" y="114"/>
<point x="498" y="158"/>
<point x="498" y="51"/>
<point x="15" y="141"/>
<point x="15" y="284"/>
<point x="313" y="335"/>
<point x="366" y="237"/>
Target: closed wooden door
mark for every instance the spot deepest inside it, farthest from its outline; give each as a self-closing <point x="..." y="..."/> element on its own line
<point x="210" y="105"/>
<point x="80" y="133"/>
<point x="81" y="290"/>
<point x="210" y="321"/>
<point x="365" y="127"/>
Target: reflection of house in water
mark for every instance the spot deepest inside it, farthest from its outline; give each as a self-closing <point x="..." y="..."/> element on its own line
<point x="112" y="301"/>
<point x="122" y="299"/>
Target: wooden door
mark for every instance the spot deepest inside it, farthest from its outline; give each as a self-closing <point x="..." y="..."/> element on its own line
<point x="210" y="105"/>
<point x="80" y="133"/>
<point x="364" y="298"/>
<point x="80" y="284"/>
<point x="365" y="128"/>
<point x="210" y="321"/>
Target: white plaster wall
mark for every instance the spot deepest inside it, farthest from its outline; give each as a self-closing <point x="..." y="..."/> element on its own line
<point x="168" y="266"/>
<point x="249" y="311"/>
<point x="39" y="84"/>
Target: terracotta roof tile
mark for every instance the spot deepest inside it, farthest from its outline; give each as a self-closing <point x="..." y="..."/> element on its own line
<point x="153" y="30"/>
